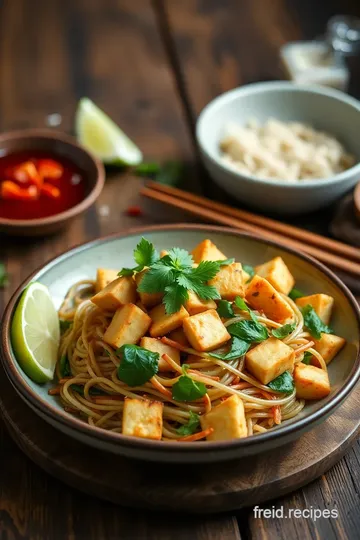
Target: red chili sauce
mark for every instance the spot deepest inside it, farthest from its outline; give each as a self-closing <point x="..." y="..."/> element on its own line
<point x="36" y="184"/>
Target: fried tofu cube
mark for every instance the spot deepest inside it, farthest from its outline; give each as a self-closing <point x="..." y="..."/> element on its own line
<point x="277" y="274"/>
<point x="155" y="345"/>
<point x="117" y="293"/>
<point x="227" y="420"/>
<point x="311" y="382"/>
<point x="229" y="281"/>
<point x="207" y="251"/>
<point x="104" y="276"/>
<point x="128" y="325"/>
<point x="143" y="418"/>
<point x="269" y="359"/>
<point x="322" y="304"/>
<point x="163" y="323"/>
<point x="205" y="331"/>
<point x="195" y="305"/>
<point x="147" y="299"/>
<point x="262" y="296"/>
<point x="178" y="335"/>
<point x="328" y="346"/>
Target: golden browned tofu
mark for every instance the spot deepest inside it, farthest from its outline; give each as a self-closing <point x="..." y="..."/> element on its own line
<point x="162" y="323"/>
<point x="227" y="420"/>
<point x="262" y="296"/>
<point x="155" y="345"/>
<point x="178" y="335"/>
<point x="207" y="251"/>
<point x="104" y="276"/>
<point x="118" y="293"/>
<point x="246" y="277"/>
<point x="322" y="304"/>
<point x="311" y="382"/>
<point x="147" y="299"/>
<point x="229" y="281"/>
<point x="143" y="418"/>
<point x="328" y="346"/>
<point x="195" y="305"/>
<point x="128" y="325"/>
<point x="277" y="273"/>
<point x="269" y="359"/>
<point x="205" y="331"/>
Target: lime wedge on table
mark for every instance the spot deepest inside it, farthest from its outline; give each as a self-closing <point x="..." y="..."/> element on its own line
<point x="35" y="333"/>
<point x="101" y="136"/>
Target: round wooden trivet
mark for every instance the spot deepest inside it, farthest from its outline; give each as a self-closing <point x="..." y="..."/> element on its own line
<point x="195" y="489"/>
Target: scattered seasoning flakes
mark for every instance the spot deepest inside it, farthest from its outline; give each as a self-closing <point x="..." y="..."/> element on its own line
<point x="53" y="120"/>
<point x="104" y="210"/>
<point x="134" y="211"/>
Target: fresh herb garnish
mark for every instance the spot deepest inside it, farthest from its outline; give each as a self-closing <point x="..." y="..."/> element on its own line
<point x="307" y="358"/>
<point x="249" y="270"/>
<point x="237" y="349"/>
<point x="249" y="331"/>
<point x="295" y="293"/>
<point x="241" y="304"/>
<point x="283" y="383"/>
<point x="313" y="322"/>
<point x="144" y="254"/>
<point x="65" y="370"/>
<point x="147" y="169"/>
<point x="4" y="277"/>
<point x="137" y="364"/>
<point x="226" y="262"/>
<point x="169" y="173"/>
<point x="186" y="389"/>
<point x="93" y="391"/>
<point x="64" y="325"/>
<point x="191" y="427"/>
<point x="225" y="309"/>
<point x="174" y="275"/>
<point x="283" y="331"/>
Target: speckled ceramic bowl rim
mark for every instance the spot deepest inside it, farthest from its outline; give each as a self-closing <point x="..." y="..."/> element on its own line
<point x="68" y="420"/>
<point x="263" y="88"/>
<point x="42" y="133"/>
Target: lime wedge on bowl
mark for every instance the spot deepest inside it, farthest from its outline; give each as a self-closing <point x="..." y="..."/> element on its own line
<point x="101" y="136"/>
<point x="35" y="333"/>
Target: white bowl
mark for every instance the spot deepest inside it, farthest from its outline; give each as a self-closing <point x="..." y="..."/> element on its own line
<point x="322" y="108"/>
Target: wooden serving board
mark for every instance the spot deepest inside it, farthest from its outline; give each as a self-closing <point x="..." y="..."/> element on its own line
<point x="196" y="489"/>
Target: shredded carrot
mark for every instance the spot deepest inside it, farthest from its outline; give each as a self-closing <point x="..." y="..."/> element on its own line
<point x="207" y="402"/>
<point x="304" y="347"/>
<point x="276" y="410"/>
<point x="63" y="380"/>
<point x="71" y="410"/>
<point x="196" y="436"/>
<point x="174" y="344"/>
<point x="267" y="395"/>
<point x="196" y="372"/>
<point x="236" y="380"/>
<point x="54" y="391"/>
<point x="156" y="384"/>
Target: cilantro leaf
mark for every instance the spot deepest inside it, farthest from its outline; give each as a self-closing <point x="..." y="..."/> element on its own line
<point x="65" y="370"/>
<point x="295" y="293"/>
<point x="225" y="262"/>
<point x="250" y="331"/>
<point x="145" y="254"/>
<point x="191" y="427"/>
<point x="147" y="169"/>
<point x="249" y="270"/>
<point x="137" y="364"/>
<point x="313" y="322"/>
<point x="178" y="258"/>
<point x="283" y="331"/>
<point x="307" y="358"/>
<point x="175" y="296"/>
<point x="127" y="271"/>
<point x="186" y="389"/>
<point x="4" y="277"/>
<point x="283" y="383"/>
<point x="205" y="271"/>
<point x="241" y="304"/>
<point x="225" y="309"/>
<point x="238" y="348"/>
<point x="156" y="279"/>
<point x="194" y="279"/>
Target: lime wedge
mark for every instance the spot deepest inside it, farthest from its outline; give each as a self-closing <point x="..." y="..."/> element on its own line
<point x="101" y="136"/>
<point x="35" y="333"/>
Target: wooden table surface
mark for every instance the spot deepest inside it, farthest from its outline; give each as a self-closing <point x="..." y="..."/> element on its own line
<point x="152" y="66"/>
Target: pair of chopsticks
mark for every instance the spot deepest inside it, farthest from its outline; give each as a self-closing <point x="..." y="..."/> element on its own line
<point x="331" y="252"/>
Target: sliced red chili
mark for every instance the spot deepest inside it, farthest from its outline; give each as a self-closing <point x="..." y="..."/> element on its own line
<point x="26" y="173"/>
<point x="134" y="211"/>
<point x="50" y="169"/>
<point x="10" y="190"/>
<point x="50" y="191"/>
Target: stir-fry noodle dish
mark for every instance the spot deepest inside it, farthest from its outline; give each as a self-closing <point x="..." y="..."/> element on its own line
<point x="192" y="346"/>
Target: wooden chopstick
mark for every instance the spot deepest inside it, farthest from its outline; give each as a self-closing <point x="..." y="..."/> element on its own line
<point x="198" y="208"/>
<point x="316" y="240"/>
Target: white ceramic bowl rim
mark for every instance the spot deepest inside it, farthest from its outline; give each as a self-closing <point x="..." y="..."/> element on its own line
<point x="264" y="87"/>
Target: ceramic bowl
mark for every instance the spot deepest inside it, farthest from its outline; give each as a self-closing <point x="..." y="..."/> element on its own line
<point x="117" y="251"/>
<point x="322" y="108"/>
<point x="62" y="145"/>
